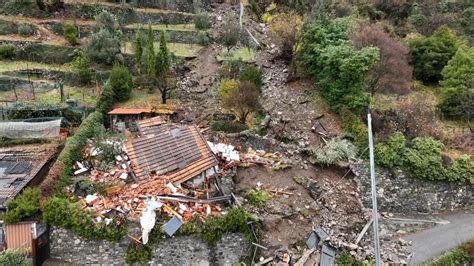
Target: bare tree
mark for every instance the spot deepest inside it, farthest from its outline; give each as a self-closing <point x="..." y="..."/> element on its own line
<point x="392" y="73"/>
<point x="242" y="100"/>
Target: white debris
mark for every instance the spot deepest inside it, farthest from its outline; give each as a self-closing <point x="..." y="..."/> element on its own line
<point x="91" y="198"/>
<point x="226" y="151"/>
<point x="123" y="176"/>
<point x="148" y="218"/>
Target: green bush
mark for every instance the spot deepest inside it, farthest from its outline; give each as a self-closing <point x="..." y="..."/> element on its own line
<point x="345" y="259"/>
<point x="258" y="198"/>
<point x="230" y="69"/>
<point x="229" y="127"/>
<point x="70" y="33"/>
<point x="13" y="257"/>
<point x="338" y="68"/>
<point x="7" y="51"/>
<point x="235" y="220"/>
<point x="104" y="43"/>
<point x="423" y="159"/>
<point x="26" y="205"/>
<point x="202" y="39"/>
<point x="457" y="256"/>
<point x="121" y="82"/>
<point x="335" y="151"/>
<point x="226" y="86"/>
<point x="26" y="30"/>
<point x="201" y="21"/>
<point x="390" y="153"/>
<point x="106" y="100"/>
<point x="61" y="212"/>
<point x="356" y="128"/>
<point x="429" y="55"/>
<point x="253" y="74"/>
<point x="143" y="253"/>
<point x="81" y="65"/>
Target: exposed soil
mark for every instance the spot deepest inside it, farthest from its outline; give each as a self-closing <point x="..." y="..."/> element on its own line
<point x="288" y="219"/>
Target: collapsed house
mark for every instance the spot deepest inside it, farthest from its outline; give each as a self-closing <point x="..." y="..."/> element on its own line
<point x="125" y="118"/>
<point x="176" y="153"/>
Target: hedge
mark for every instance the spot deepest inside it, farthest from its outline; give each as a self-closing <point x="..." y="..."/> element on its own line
<point x="63" y="213"/>
<point x="422" y="159"/>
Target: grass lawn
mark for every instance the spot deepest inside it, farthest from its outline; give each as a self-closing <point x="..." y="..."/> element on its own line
<point x="179" y="49"/>
<point x="246" y="54"/>
<point x="172" y="27"/>
<point x="140" y="98"/>
<point x="8" y="65"/>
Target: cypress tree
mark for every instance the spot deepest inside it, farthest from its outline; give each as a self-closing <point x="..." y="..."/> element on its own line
<point x="150" y="54"/>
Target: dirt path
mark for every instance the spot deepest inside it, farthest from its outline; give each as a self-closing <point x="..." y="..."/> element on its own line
<point x="198" y="89"/>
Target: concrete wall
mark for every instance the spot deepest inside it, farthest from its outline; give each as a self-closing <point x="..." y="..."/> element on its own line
<point x="182" y="250"/>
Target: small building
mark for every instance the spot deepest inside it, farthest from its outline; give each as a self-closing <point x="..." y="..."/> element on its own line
<point x="21" y="167"/>
<point x="126" y="118"/>
<point x="177" y="153"/>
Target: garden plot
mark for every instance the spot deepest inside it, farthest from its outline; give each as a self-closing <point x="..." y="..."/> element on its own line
<point x="179" y="49"/>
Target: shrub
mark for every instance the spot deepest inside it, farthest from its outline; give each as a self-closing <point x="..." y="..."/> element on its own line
<point x="104" y="43"/>
<point x="390" y="153"/>
<point x="201" y="21"/>
<point x="229" y="127"/>
<point x="7" y="51"/>
<point x="456" y="256"/>
<point x="230" y="69"/>
<point x="226" y="86"/>
<point x="255" y="8"/>
<point x="346" y="259"/>
<point x="431" y="54"/>
<point x="253" y="74"/>
<point x="356" y="129"/>
<point x="258" y="198"/>
<point x="121" y="82"/>
<point x="81" y="65"/>
<point x="143" y="253"/>
<point x="338" y="68"/>
<point x="335" y="151"/>
<point x="202" y="38"/>
<point x="26" y="205"/>
<point x="26" y="30"/>
<point x="60" y="212"/>
<point x="459" y="72"/>
<point x="230" y="31"/>
<point x="235" y="220"/>
<point x="242" y="100"/>
<point x="284" y="31"/>
<point x="70" y="33"/>
<point x="13" y="257"/>
<point x="423" y="159"/>
<point x="457" y="104"/>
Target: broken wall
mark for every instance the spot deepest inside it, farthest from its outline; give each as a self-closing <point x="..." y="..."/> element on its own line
<point x="182" y="250"/>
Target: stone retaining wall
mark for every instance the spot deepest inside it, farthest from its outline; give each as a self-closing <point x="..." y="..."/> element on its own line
<point x="182" y="250"/>
<point x="401" y="194"/>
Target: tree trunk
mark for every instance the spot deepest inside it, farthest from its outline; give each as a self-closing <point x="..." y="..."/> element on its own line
<point x="163" y="96"/>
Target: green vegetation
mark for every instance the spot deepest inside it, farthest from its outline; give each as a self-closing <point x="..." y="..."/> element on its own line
<point x="257" y="198"/>
<point x="70" y="33"/>
<point x="7" y="51"/>
<point x="212" y="230"/>
<point x="431" y="54"/>
<point x="81" y="65"/>
<point x="121" y="82"/>
<point x="226" y="86"/>
<point x="346" y="259"/>
<point x="243" y="54"/>
<point x="26" y="205"/>
<point x="228" y="127"/>
<point x="184" y="50"/>
<point x="253" y="74"/>
<point x="242" y="100"/>
<point x="201" y="21"/>
<point x="335" y="151"/>
<point x="457" y="256"/>
<point x="230" y="31"/>
<point x="61" y="212"/>
<point x="165" y="27"/>
<point x="26" y="30"/>
<point x="13" y="257"/>
<point x="143" y="253"/>
<point x="337" y="67"/>
<point x="104" y="43"/>
<point x="457" y="96"/>
<point x="423" y="159"/>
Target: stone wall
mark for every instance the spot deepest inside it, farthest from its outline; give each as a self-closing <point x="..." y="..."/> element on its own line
<point x="181" y="250"/>
<point x="401" y="194"/>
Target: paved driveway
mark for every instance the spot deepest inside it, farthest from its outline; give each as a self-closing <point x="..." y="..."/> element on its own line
<point x="432" y="242"/>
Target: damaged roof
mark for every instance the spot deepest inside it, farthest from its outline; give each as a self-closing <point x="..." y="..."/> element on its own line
<point x="137" y="111"/>
<point x="18" y="168"/>
<point x="174" y="152"/>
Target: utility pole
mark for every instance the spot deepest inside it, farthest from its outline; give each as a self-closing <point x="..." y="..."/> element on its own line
<point x="374" y="193"/>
